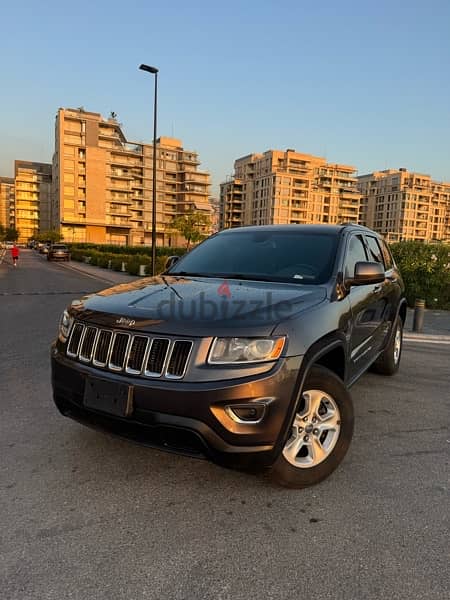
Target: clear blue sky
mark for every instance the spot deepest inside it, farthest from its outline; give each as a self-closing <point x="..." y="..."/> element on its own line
<point x="361" y="82"/>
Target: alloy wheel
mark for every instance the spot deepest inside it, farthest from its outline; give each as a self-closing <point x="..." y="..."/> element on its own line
<point x="315" y="430"/>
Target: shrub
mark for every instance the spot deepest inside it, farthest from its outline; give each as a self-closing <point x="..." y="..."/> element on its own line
<point x="126" y="250"/>
<point x="425" y="270"/>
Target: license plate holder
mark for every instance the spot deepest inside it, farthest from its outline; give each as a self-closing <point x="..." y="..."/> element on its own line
<point x="108" y="397"/>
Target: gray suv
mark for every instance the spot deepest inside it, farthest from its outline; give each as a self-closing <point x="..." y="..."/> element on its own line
<point x="243" y="351"/>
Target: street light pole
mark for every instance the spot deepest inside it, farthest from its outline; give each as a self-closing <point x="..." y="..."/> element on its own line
<point x="154" y="71"/>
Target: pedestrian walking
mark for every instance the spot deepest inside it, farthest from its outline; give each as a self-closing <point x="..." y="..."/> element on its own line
<point x="15" y="254"/>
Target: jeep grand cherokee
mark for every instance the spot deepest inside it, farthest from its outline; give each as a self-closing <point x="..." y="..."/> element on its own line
<point x="242" y="351"/>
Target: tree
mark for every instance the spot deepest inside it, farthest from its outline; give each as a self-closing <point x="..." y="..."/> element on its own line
<point x="50" y="236"/>
<point x="2" y="233"/>
<point x="192" y="227"/>
<point x="11" y="234"/>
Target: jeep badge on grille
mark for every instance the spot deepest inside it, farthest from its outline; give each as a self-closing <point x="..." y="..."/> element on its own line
<point x="126" y="321"/>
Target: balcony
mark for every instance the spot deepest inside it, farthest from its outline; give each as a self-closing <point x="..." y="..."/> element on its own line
<point x="120" y="162"/>
<point x="117" y="175"/>
<point x="117" y="222"/>
<point x="118" y="212"/>
<point x="189" y="158"/>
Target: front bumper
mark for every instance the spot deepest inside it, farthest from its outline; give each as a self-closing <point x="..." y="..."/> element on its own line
<point x="188" y="418"/>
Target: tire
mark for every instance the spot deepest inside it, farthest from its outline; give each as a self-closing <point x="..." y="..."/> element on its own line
<point x="388" y="362"/>
<point x="320" y="434"/>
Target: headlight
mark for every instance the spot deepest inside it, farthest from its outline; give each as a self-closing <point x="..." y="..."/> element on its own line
<point x="65" y="324"/>
<point x="245" y="350"/>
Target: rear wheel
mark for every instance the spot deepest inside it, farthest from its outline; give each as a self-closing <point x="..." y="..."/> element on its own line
<point x="388" y="362"/>
<point x="320" y="433"/>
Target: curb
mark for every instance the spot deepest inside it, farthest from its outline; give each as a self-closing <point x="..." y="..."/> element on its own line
<point x="101" y="275"/>
<point x="430" y="338"/>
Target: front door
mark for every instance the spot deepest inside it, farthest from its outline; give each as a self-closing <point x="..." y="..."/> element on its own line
<point x="367" y="306"/>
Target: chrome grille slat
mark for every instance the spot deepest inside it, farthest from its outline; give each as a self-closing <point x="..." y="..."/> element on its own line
<point x="75" y="339"/>
<point x="156" y="358"/>
<point x="119" y="349"/>
<point x="135" y="359"/>
<point x="87" y="346"/>
<point x="102" y="345"/>
<point x="136" y="354"/>
<point x="178" y="359"/>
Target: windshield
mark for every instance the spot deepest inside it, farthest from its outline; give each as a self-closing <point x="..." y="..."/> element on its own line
<point x="295" y="257"/>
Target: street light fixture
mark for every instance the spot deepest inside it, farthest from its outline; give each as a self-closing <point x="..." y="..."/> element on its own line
<point x="154" y="71"/>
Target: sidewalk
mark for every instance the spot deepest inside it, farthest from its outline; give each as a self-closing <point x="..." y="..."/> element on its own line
<point x="107" y="275"/>
<point x="436" y="327"/>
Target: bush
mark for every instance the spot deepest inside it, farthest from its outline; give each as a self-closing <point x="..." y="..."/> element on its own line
<point x="425" y="270"/>
<point x="132" y="261"/>
<point x="127" y="250"/>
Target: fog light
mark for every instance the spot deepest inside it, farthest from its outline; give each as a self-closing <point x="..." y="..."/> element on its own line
<point x="246" y="413"/>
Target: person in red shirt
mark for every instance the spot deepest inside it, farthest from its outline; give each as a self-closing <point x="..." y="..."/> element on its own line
<point x="15" y="254"/>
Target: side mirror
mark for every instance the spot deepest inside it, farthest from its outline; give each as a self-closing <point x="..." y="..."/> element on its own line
<point x="171" y="260"/>
<point x="367" y="273"/>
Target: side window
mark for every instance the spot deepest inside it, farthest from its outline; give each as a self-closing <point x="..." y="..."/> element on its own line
<point x="356" y="252"/>
<point x="388" y="262"/>
<point x="375" y="253"/>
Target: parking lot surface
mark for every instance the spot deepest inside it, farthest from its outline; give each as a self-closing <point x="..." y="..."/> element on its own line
<point x="84" y="515"/>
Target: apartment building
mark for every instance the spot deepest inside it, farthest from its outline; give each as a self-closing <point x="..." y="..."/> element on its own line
<point x="405" y="206"/>
<point x="289" y="187"/>
<point x="7" y="206"/>
<point x="231" y="210"/>
<point x="33" y="187"/>
<point x="103" y="183"/>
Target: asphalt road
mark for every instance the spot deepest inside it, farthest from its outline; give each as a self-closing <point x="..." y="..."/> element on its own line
<point x="87" y="516"/>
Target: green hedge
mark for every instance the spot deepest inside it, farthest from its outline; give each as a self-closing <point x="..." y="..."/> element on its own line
<point x="425" y="270"/>
<point x="114" y="260"/>
<point x="129" y="250"/>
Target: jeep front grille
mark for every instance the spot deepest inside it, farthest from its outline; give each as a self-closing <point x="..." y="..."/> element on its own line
<point x="138" y="354"/>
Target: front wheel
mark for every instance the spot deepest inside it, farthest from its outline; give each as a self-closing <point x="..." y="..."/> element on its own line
<point x="320" y="433"/>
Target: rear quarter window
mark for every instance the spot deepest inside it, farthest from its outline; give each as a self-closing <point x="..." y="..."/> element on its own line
<point x="375" y="252"/>
<point x="387" y="256"/>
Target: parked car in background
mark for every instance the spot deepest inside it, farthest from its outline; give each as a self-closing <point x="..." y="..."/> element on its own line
<point x="58" y="252"/>
<point x="244" y="350"/>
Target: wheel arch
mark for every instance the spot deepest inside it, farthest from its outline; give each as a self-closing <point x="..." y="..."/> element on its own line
<point x="323" y="352"/>
<point x="402" y="310"/>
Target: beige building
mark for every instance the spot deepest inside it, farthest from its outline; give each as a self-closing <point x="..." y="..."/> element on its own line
<point x="103" y="183"/>
<point x="231" y="211"/>
<point x="7" y="206"/>
<point x="288" y="187"/>
<point x="405" y="206"/>
<point x="33" y="185"/>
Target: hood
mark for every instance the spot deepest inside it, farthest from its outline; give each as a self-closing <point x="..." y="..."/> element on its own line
<point x="198" y="306"/>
